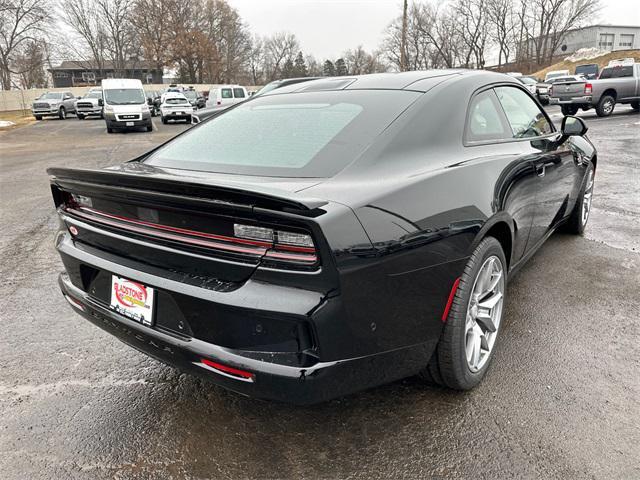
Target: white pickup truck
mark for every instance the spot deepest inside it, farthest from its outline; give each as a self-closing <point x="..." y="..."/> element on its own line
<point x="619" y="82"/>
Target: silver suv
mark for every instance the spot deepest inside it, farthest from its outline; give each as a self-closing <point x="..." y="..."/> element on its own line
<point x="54" y="104"/>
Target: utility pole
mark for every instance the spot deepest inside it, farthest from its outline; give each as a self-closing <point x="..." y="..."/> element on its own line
<point x="403" y="42"/>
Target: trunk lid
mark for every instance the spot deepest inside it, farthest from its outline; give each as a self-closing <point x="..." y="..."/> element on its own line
<point x="207" y="228"/>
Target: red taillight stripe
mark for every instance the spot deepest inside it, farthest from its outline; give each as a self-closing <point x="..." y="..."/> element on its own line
<point x="227" y="369"/>
<point x="452" y="294"/>
<point x="185" y="231"/>
<point x="168" y="236"/>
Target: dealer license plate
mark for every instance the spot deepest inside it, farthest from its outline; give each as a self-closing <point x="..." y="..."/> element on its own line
<point x="132" y="299"/>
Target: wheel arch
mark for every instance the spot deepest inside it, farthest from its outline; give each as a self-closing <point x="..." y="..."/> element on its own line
<point x="610" y="91"/>
<point x="501" y="227"/>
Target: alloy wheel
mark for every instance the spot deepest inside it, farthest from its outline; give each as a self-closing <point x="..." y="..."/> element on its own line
<point x="586" y="199"/>
<point x="484" y="313"/>
<point x="608" y="107"/>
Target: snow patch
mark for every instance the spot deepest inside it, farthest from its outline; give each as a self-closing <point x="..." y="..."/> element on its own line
<point x="586" y="54"/>
<point x="6" y="123"/>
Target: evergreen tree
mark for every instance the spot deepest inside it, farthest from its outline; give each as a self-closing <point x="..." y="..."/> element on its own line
<point x="300" y="67"/>
<point x="341" y="67"/>
<point x="288" y="70"/>
<point x="329" y="69"/>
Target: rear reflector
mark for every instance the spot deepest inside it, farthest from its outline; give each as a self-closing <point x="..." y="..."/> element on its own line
<point x="75" y="303"/>
<point x="452" y="294"/>
<point x="226" y="370"/>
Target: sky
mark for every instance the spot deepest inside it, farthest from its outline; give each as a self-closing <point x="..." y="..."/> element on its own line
<point x="325" y="28"/>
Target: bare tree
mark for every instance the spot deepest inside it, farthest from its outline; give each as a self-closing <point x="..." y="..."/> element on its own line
<point x="502" y="26"/>
<point x="83" y="18"/>
<point x="279" y="48"/>
<point x="115" y="15"/>
<point x="548" y="21"/>
<point x="21" y="21"/>
<point x="151" y="19"/>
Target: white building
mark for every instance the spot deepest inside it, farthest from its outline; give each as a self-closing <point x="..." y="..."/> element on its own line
<point x="602" y="36"/>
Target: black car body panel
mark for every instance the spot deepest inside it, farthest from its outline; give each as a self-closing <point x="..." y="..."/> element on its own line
<point x="392" y="231"/>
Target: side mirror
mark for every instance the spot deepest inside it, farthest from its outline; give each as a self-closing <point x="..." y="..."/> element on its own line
<point x="100" y="102"/>
<point x="573" y="126"/>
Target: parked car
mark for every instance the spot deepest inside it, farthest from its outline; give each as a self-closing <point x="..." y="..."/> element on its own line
<point x="154" y="102"/>
<point x="125" y="104"/>
<point x="321" y="240"/>
<point x="89" y="104"/>
<point x="588" y="70"/>
<point x="556" y="73"/>
<point x="619" y="83"/>
<point x="542" y="89"/>
<point x="226" y="95"/>
<point x="176" y="107"/>
<point x="209" y="112"/>
<point x="196" y="100"/>
<point x="529" y="83"/>
<point x="53" y="104"/>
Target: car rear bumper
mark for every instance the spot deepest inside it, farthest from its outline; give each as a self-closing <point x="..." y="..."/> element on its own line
<point x="582" y="100"/>
<point x="290" y="377"/>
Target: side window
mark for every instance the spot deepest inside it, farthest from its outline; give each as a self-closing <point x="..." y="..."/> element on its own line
<point x="524" y="116"/>
<point x="238" y="92"/>
<point x="226" y="93"/>
<point x="485" y="121"/>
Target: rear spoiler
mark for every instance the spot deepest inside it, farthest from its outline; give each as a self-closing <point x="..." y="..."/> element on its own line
<point x="131" y="181"/>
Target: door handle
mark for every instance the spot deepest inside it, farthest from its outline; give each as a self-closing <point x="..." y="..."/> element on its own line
<point x="541" y="169"/>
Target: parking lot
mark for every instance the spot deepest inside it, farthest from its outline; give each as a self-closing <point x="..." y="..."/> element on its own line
<point x="561" y="400"/>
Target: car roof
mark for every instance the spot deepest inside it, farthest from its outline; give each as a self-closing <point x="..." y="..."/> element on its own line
<point x="419" y="81"/>
<point x="121" y="83"/>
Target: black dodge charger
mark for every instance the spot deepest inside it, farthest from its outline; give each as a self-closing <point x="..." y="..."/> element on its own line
<point x="328" y="236"/>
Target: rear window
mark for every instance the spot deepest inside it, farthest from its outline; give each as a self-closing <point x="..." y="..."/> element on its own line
<point x="175" y="101"/>
<point x="314" y="134"/>
<point x="617" y="72"/>
<point x="226" y="93"/>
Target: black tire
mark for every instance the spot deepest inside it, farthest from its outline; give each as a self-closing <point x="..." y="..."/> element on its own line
<point x="569" y="109"/>
<point x="109" y="130"/>
<point x="164" y="120"/>
<point x="62" y="113"/>
<point x="635" y="106"/>
<point x="102" y="115"/>
<point x="543" y="102"/>
<point x="605" y="106"/>
<point x="576" y="224"/>
<point x="150" y="127"/>
<point x="448" y="365"/>
<point x="38" y="117"/>
<point x="80" y="116"/>
<point x="188" y="119"/>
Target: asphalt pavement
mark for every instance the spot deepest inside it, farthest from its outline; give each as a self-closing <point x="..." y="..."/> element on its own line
<point x="561" y="400"/>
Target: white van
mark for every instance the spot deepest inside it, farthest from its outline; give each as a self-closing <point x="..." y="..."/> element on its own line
<point x="125" y="104"/>
<point x="226" y="95"/>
